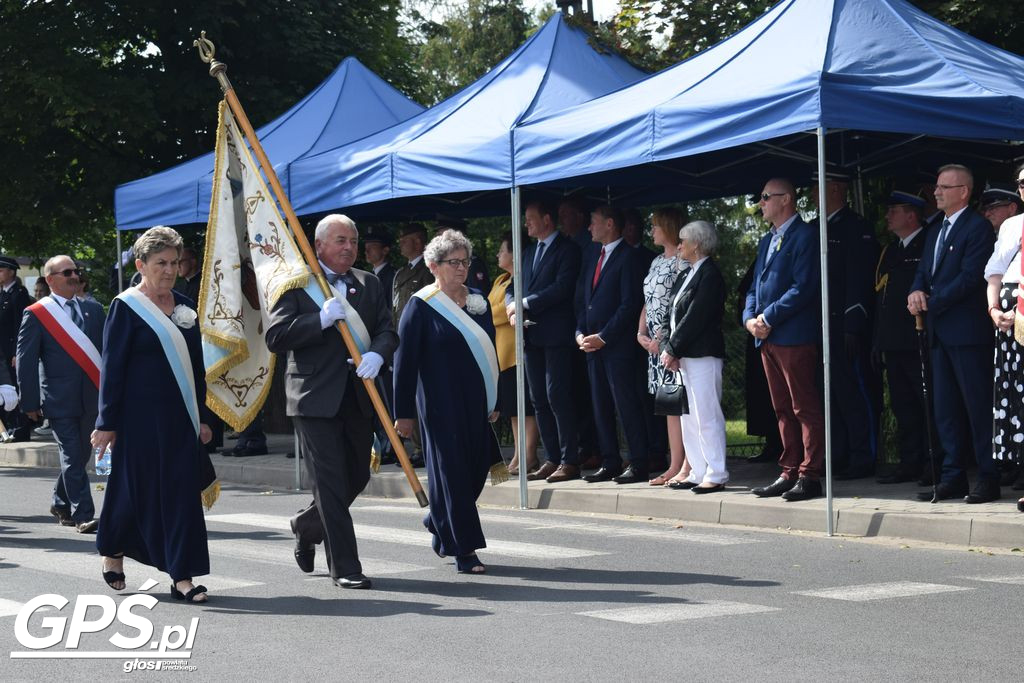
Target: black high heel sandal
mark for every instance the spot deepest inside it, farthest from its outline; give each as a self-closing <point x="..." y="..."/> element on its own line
<point x="190" y="596"/>
<point x="1020" y="504"/>
<point x="113" y="577"/>
<point x="467" y="564"/>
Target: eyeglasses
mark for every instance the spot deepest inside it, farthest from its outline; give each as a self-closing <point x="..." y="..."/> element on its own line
<point x="947" y="187"/>
<point x="456" y="262"/>
<point x="1020" y="182"/>
<point x="766" y="196"/>
<point x="68" y="272"/>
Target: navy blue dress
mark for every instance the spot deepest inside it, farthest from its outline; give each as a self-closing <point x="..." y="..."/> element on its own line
<point x="434" y="364"/>
<point x="152" y="511"/>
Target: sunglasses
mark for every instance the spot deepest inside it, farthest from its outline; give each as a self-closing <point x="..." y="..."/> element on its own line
<point x="766" y="196"/>
<point x="68" y="272"/>
<point x="1020" y="183"/>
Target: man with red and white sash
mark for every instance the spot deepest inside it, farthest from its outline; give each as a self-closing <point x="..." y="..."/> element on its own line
<point x="65" y="335"/>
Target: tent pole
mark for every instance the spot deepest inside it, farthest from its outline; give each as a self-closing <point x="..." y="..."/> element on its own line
<point x="120" y="269"/>
<point x="825" y="350"/>
<point x="517" y="291"/>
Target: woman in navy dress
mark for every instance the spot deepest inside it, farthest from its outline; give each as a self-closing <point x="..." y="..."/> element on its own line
<point x="152" y="511"/>
<point x="446" y="371"/>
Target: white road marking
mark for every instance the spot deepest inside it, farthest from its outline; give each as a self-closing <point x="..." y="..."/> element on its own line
<point x="9" y="608"/>
<point x="279" y="552"/>
<point x="606" y="530"/>
<point x="416" y="538"/>
<point x="87" y="565"/>
<point x="1014" y="579"/>
<point x="659" y="614"/>
<point x="882" y="591"/>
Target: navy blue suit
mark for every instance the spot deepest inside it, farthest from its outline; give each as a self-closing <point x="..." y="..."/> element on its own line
<point x="550" y="344"/>
<point x="960" y="334"/>
<point x="611" y="310"/>
<point x="68" y="400"/>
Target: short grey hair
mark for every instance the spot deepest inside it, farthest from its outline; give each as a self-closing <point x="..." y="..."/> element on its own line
<point x="155" y="240"/>
<point x="444" y="244"/>
<point x="331" y="219"/>
<point x="48" y="267"/>
<point x="702" y="234"/>
<point x="960" y="168"/>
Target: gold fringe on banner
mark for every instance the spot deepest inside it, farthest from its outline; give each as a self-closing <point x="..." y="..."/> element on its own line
<point x="210" y="494"/>
<point x="374" y="461"/>
<point x="499" y="474"/>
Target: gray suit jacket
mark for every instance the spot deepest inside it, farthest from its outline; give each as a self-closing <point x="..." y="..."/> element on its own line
<point x="66" y="390"/>
<point x="318" y="370"/>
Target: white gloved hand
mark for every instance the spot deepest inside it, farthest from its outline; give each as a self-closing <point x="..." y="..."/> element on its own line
<point x="9" y="396"/>
<point x="370" y="366"/>
<point x="332" y="312"/>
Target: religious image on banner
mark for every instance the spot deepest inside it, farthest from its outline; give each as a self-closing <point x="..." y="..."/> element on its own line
<point x="249" y="262"/>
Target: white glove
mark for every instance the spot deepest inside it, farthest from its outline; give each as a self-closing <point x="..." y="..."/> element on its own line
<point x="332" y="312"/>
<point x="370" y="365"/>
<point x="9" y="395"/>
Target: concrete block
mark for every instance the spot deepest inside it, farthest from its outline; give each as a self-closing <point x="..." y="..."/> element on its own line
<point x="670" y="504"/>
<point x="774" y="514"/>
<point x="998" y="532"/>
<point x="931" y="528"/>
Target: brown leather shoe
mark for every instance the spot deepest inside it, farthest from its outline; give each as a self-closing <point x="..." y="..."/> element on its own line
<point x="542" y="472"/>
<point x="564" y="473"/>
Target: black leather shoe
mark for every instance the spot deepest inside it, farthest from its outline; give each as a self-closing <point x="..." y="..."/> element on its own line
<point x="632" y="475"/>
<point x="416" y="460"/>
<point x="89" y="527"/>
<point x="603" y="474"/>
<point x="804" y="489"/>
<point x="357" y="581"/>
<point x="63" y="515"/>
<point x="896" y="477"/>
<point x="776" y="488"/>
<point x="305" y="553"/>
<point x="944" y="492"/>
<point x="766" y="455"/>
<point x="246" y="451"/>
<point x="984" y="492"/>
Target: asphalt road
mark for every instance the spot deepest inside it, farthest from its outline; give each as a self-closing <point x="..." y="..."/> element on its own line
<point x="567" y="597"/>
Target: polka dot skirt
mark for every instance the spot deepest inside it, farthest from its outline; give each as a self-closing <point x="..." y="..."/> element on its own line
<point x="1008" y="391"/>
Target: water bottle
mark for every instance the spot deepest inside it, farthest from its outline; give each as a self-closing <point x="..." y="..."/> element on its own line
<point x="102" y="461"/>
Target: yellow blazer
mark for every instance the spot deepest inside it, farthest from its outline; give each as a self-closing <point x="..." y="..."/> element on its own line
<point x="504" y="333"/>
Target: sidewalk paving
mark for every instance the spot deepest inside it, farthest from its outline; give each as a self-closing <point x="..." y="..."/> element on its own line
<point x="861" y="508"/>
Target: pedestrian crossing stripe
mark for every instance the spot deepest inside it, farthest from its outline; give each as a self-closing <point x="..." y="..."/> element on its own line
<point x="9" y="608"/>
<point x="1014" y="579"/>
<point x="682" y="611"/>
<point x="882" y="591"/>
<point x="365" y="532"/>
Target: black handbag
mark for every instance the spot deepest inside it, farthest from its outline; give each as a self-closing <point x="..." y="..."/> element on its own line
<point x="670" y="395"/>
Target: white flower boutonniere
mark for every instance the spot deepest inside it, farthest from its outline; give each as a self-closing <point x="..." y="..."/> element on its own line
<point x="184" y="317"/>
<point x="476" y="304"/>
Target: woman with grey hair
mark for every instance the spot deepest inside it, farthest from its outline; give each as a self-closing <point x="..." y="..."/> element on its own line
<point x="696" y="346"/>
<point x="446" y="371"/>
<point x="152" y="384"/>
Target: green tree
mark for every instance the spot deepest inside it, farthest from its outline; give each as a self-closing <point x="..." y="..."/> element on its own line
<point x="99" y="93"/>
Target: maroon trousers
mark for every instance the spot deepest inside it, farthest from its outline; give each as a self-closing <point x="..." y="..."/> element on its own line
<point x="797" y="401"/>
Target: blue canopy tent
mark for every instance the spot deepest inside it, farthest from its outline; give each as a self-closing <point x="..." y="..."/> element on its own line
<point x="879" y="78"/>
<point x="349" y="104"/>
<point x="452" y="157"/>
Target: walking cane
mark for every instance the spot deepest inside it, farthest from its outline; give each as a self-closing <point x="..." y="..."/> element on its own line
<point x="922" y="350"/>
<point x="217" y="70"/>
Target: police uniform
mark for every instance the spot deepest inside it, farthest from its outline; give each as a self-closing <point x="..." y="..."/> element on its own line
<point x="13" y="301"/>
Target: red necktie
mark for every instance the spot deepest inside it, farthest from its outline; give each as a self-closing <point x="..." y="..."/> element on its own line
<point x="597" y="271"/>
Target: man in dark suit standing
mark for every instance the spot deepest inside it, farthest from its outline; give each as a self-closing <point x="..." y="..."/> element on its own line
<point x="852" y="257"/>
<point x="950" y="289"/>
<point x="551" y="266"/>
<point x="190" y="275"/>
<point x="895" y="340"/>
<point x="377" y="250"/>
<point x="408" y="280"/>
<point x="14" y="298"/>
<point x="609" y="297"/>
<point x="783" y="315"/>
<point x="65" y="334"/>
<point x="326" y="397"/>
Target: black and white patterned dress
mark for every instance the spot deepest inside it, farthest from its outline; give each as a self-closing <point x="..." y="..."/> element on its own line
<point x="1008" y="378"/>
<point x="657" y="285"/>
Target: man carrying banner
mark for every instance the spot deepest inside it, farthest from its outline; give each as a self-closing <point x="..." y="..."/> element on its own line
<point x="65" y="333"/>
<point x="330" y="406"/>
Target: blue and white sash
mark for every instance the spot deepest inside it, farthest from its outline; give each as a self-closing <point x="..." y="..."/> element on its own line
<point x="480" y="344"/>
<point x="173" y="343"/>
<point x="355" y="324"/>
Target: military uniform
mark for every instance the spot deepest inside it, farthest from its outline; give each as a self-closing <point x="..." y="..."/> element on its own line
<point x="13" y="302"/>
<point x="407" y="282"/>
<point x="896" y="341"/>
<point x="852" y="257"/>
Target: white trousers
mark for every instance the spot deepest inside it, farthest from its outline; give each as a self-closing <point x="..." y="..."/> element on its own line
<point x="704" y="425"/>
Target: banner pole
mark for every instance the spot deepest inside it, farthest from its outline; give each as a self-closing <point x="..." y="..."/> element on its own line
<point x="218" y="70"/>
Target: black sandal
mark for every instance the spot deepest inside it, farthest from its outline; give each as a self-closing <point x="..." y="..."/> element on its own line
<point x="467" y="564"/>
<point x="113" y="577"/>
<point x="190" y="596"/>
